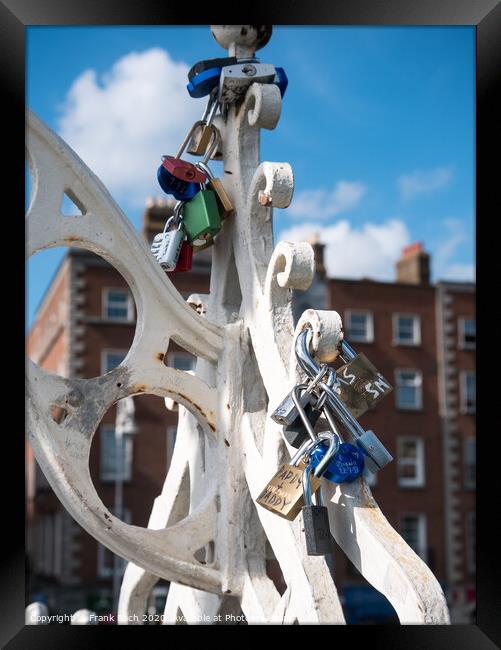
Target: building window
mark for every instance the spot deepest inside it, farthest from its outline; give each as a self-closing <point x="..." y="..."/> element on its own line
<point x="409" y="389"/>
<point x="359" y="326"/>
<point x="410" y="461"/>
<point x="406" y="329"/>
<point x="171" y="441"/>
<point x="470" y="463"/>
<point x="106" y="558"/>
<point x="467" y="333"/>
<point x="468" y="392"/>
<point x="118" y="305"/>
<point x="413" y="530"/>
<point x="111" y="359"/>
<point x="471" y="542"/>
<point x="116" y="456"/>
<point x="181" y="361"/>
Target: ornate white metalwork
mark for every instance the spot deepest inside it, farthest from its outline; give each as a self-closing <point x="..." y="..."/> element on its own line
<point x="205" y="533"/>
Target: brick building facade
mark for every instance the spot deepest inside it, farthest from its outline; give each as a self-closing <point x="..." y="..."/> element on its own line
<point x="420" y="336"/>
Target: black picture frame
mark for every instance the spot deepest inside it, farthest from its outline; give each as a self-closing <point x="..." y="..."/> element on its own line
<point x="15" y="15"/>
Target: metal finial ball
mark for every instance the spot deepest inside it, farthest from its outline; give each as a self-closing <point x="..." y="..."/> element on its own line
<point x="253" y="36"/>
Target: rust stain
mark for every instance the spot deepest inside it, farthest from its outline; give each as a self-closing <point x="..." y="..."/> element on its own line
<point x="206" y="415"/>
<point x="228" y="406"/>
<point x="72" y="238"/>
<point x="226" y="442"/>
<point x="160" y="356"/>
<point x="139" y="388"/>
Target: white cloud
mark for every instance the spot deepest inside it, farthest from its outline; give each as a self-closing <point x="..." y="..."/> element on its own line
<point x="321" y="204"/>
<point x="370" y="251"/>
<point x="424" y="182"/>
<point x="459" y="272"/>
<point x="445" y="268"/>
<point x="122" y="123"/>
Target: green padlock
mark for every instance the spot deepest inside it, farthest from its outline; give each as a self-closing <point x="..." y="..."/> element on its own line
<point x="201" y="216"/>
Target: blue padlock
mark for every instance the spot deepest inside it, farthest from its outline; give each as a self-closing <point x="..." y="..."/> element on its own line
<point x="281" y="80"/>
<point x="180" y="190"/>
<point x="202" y="83"/>
<point x="346" y="466"/>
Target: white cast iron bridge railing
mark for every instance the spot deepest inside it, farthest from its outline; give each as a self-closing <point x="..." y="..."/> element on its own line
<point x="206" y="535"/>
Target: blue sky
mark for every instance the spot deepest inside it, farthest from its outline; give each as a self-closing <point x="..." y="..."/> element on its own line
<point x="377" y="123"/>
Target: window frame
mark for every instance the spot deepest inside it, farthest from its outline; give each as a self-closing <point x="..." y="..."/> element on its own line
<point x="417" y="338"/>
<point x="420" y="480"/>
<point x="465" y="409"/>
<point x="463" y="344"/>
<point x="419" y="389"/>
<point x="105" y="352"/>
<point x="369" y="338"/>
<point x="171" y="434"/>
<point x="422" y="533"/>
<point x="180" y="353"/>
<point x="105" y="304"/>
<point x="128" y="443"/>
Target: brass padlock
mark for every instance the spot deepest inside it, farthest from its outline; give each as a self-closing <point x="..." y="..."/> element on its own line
<point x="360" y="385"/>
<point x="283" y="494"/>
<point x="224" y="203"/>
<point x="205" y="131"/>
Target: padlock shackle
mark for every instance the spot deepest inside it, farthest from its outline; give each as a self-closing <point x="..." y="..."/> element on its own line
<point x="167" y="223"/>
<point x="204" y="167"/>
<point x="187" y="139"/>
<point x="212" y="146"/>
<point x="309" y="445"/>
<point x="177" y="212"/>
<point x="334" y="444"/>
<point x="211" y="108"/>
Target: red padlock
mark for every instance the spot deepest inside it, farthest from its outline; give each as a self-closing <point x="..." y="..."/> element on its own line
<point x="184" y="262"/>
<point x="183" y="170"/>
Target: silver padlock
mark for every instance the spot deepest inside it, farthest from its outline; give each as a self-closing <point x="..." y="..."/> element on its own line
<point x="166" y="246"/>
<point x="235" y="79"/>
<point x="286" y="413"/>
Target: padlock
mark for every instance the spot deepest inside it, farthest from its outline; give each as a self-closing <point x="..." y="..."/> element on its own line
<point x="185" y="261"/>
<point x="224" y="203"/>
<point x="359" y="384"/>
<point x="281" y="80"/>
<point x="204" y="82"/>
<point x="180" y="190"/>
<point x="205" y="133"/>
<point x="286" y="413"/>
<point x="166" y="246"/>
<point x="183" y="170"/>
<point x="201" y="216"/>
<point x="315" y="519"/>
<point x="236" y="79"/>
<point x="346" y="466"/>
<point x="376" y="454"/>
<point x="307" y="416"/>
<point x="219" y="62"/>
<point x="283" y="494"/>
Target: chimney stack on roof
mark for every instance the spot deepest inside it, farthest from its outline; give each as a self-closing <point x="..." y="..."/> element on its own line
<point x="156" y="213"/>
<point x="318" y="251"/>
<point x="414" y="265"/>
